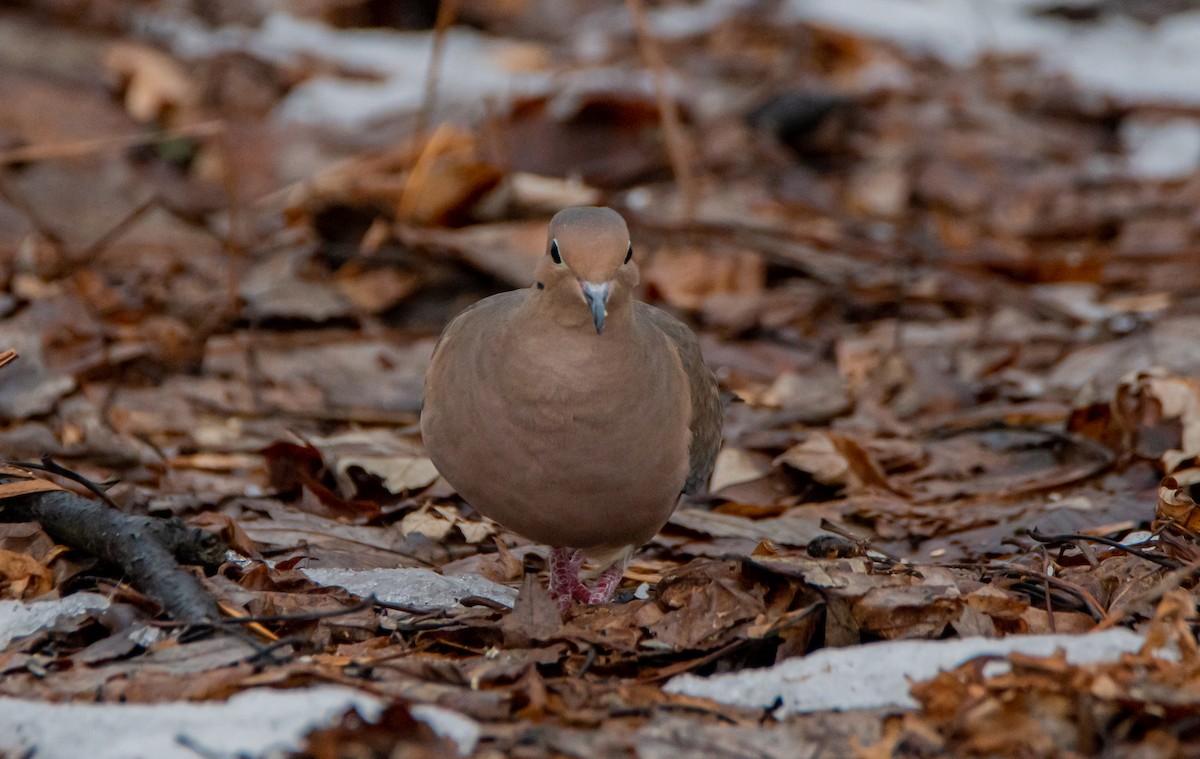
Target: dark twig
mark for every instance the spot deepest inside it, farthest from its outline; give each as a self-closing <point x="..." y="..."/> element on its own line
<point x="190" y="545"/>
<point x="489" y="603"/>
<point x="1090" y="604"/>
<point x="266" y="655"/>
<point x="1162" y="561"/>
<point x="687" y="666"/>
<point x="649" y="711"/>
<point x="1046" y="593"/>
<point x="144" y="547"/>
<point x="401" y="607"/>
<point x="50" y="466"/>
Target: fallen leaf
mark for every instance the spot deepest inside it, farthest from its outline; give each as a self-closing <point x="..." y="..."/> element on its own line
<point x="685" y="277"/>
<point x="833" y="459"/>
<point x="400" y="473"/>
<point x="534" y="616"/>
<point x="447" y="178"/>
<point x="733" y="466"/>
<point x="428" y="523"/>
<point x="156" y="85"/>
<point x="22" y="576"/>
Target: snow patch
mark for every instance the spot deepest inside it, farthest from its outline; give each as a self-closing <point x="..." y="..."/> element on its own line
<point x="877" y="675"/>
<point x="248" y="724"/>
<point x="419" y="588"/>
<point x="1164" y="150"/>
<point x="391" y="66"/>
<point x="19" y="619"/>
<point x="1113" y="55"/>
<point x="460" y="729"/>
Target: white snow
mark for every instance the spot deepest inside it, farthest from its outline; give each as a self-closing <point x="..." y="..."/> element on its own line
<point x="390" y="67"/>
<point x="419" y="588"/>
<point x="1114" y="55"/>
<point x="684" y="19"/>
<point x="253" y="723"/>
<point x="460" y="729"/>
<point x="877" y="675"/>
<point x="383" y="71"/>
<point x="20" y="618"/>
<point x="250" y="723"/>
<point x="1168" y="149"/>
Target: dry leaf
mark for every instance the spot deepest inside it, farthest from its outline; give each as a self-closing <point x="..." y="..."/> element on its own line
<point x="1175" y="502"/>
<point x="1179" y="398"/>
<point x="534" y="616"/>
<point x="427" y="522"/>
<point x="400" y="474"/>
<point x="375" y="289"/>
<point x="684" y="277"/>
<point x="819" y="394"/>
<point x="22" y="576"/>
<point x="733" y="466"/>
<point x="835" y="460"/>
<point x="156" y="85"/>
<point x="475" y="532"/>
<point x="541" y="194"/>
<point x="446" y="180"/>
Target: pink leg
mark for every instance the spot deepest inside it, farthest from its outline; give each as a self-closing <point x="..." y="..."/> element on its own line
<point x="564" y="576"/>
<point x="605" y="586"/>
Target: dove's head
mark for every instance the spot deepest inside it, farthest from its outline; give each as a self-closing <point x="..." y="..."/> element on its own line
<point x="588" y="273"/>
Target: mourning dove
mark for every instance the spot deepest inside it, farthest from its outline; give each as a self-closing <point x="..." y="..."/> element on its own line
<point x="571" y="413"/>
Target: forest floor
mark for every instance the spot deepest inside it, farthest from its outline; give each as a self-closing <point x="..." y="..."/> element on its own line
<point x="954" y="299"/>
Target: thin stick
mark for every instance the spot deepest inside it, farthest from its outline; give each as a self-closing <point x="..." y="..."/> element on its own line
<point x="234" y="241"/>
<point x="85" y="257"/>
<point x="1163" y="561"/>
<point x="50" y="466"/>
<point x="1046" y="590"/>
<point x="489" y="603"/>
<point x="310" y="616"/>
<point x="447" y="11"/>
<point x="673" y="134"/>
<point x="1089" y="601"/>
<point x="14" y="198"/>
<point x="41" y="152"/>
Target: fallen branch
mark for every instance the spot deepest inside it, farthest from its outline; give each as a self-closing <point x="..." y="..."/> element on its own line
<point x="146" y="548"/>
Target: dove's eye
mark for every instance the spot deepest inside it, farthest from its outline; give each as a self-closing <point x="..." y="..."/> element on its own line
<point x="554" y="252"/>
<point x="629" y="255"/>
